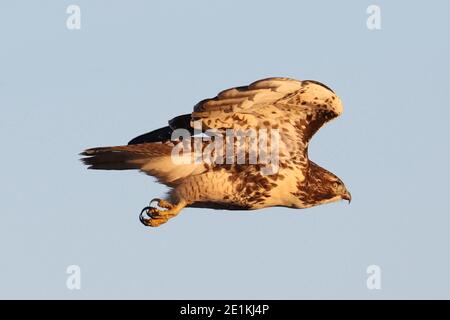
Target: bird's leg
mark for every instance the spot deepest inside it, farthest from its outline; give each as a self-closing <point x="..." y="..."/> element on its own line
<point x="158" y="216"/>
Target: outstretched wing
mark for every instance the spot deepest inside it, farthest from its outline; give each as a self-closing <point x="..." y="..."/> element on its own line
<point x="296" y="108"/>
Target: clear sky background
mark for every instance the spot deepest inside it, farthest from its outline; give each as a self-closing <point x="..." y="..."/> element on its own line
<point x="136" y="64"/>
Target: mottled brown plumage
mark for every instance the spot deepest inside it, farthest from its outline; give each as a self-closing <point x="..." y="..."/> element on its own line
<point x="295" y="109"/>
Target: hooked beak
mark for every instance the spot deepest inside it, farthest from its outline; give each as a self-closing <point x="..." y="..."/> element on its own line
<point x="347" y="196"/>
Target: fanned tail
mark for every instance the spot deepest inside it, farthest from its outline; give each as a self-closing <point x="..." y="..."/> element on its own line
<point x="124" y="157"/>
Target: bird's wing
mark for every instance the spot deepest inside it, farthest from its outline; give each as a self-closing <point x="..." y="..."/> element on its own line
<point x="164" y="134"/>
<point x="296" y="108"/>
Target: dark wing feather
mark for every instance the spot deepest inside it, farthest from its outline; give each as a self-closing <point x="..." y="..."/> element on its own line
<point x="158" y="135"/>
<point x="165" y="133"/>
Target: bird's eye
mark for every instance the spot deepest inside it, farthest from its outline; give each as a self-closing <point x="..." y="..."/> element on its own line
<point x="335" y="185"/>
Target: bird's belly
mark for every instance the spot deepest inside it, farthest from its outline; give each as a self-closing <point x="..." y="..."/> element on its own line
<point x="209" y="187"/>
<point x="223" y="187"/>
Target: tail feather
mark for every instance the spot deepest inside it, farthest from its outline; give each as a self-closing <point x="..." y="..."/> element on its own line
<point x="124" y="157"/>
<point x="154" y="159"/>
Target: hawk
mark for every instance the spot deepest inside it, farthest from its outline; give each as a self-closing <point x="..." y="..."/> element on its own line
<point x="295" y="109"/>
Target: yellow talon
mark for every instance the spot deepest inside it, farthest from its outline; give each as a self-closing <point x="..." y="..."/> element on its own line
<point x="157" y="216"/>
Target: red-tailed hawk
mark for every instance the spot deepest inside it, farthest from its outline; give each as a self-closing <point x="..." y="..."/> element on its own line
<point x="294" y="109"/>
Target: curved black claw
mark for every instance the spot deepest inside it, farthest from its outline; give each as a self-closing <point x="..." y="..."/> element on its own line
<point x="143" y="220"/>
<point x="157" y="200"/>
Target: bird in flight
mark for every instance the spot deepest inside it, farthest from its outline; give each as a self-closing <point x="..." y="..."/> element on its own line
<point x="205" y="170"/>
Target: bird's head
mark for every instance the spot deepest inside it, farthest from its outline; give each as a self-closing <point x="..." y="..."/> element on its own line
<point x="323" y="187"/>
<point x="335" y="188"/>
